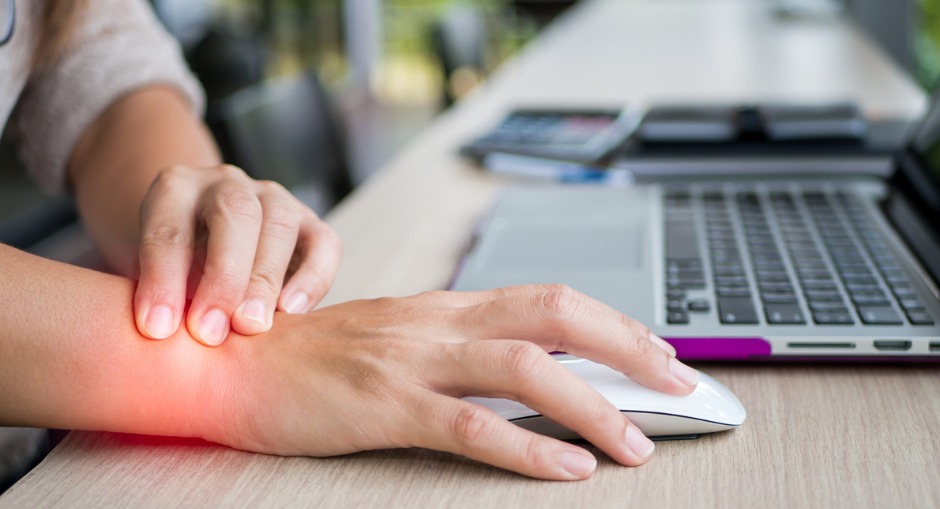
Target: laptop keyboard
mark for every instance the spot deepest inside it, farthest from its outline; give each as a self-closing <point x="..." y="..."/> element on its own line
<point x="782" y="258"/>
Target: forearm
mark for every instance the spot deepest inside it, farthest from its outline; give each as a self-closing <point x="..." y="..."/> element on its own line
<point x="71" y="357"/>
<point x="118" y="158"/>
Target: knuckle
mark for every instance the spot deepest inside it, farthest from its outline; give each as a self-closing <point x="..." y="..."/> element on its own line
<point x="238" y="203"/>
<point x="600" y="411"/>
<point x="232" y="171"/>
<point x="524" y="360"/>
<point x="168" y="181"/>
<point x="173" y="173"/>
<point x="638" y="340"/>
<point x="223" y="283"/>
<point x="532" y="455"/>
<point x="267" y="278"/>
<point x="472" y="424"/>
<point x="282" y="218"/>
<point x="323" y="239"/>
<point x="271" y="186"/>
<point x="561" y="301"/>
<point x="160" y="235"/>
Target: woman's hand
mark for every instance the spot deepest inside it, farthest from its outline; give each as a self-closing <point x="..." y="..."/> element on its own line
<point x="243" y="247"/>
<point x="390" y="373"/>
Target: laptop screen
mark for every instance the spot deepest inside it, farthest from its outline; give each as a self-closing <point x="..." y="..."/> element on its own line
<point x="918" y="180"/>
<point x="926" y="150"/>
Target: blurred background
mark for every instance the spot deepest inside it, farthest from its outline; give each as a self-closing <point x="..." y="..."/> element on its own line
<point x="319" y="94"/>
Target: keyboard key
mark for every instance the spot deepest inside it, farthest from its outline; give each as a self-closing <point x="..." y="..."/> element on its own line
<point x="776" y="287"/>
<point x="779" y="297"/>
<point x="714" y="196"/>
<point x="730" y="281"/>
<point x="784" y="314"/>
<point x="675" y="293"/>
<point x="769" y="266"/>
<point x="911" y="304"/>
<point x="729" y="270"/>
<point x="677" y="317"/>
<point x="821" y="285"/>
<point x="832" y="318"/>
<point x="904" y="292"/>
<point x="869" y="298"/>
<point x="861" y="280"/>
<point x="772" y="277"/>
<point x="854" y="272"/>
<point x="813" y="273"/>
<point x="862" y="287"/>
<point x="919" y="318"/>
<point x="733" y="291"/>
<point x="830" y="306"/>
<point x="736" y="310"/>
<point x="896" y="278"/>
<point x="879" y="315"/>
<point x="675" y="305"/>
<point x="699" y="306"/>
<point x="686" y="284"/>
<point x="681" y="264"/>
<point x="822" y="295"/>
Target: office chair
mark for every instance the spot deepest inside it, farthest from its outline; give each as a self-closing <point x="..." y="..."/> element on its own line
<point x="285" y="130"/>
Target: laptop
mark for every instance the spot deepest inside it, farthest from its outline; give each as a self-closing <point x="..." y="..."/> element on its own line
<point x="742" y="269"/>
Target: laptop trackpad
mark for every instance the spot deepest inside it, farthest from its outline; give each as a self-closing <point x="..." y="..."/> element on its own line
<point x="551" y="247"/>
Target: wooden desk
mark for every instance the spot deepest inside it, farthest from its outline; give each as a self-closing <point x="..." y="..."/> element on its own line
<point x="816" y="436"/>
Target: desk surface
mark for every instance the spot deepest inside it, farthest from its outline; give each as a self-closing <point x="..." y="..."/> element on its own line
<point x="817" y="435"/>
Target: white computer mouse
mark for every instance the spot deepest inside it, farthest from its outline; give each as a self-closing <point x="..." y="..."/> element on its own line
<point x="710" y="408"/>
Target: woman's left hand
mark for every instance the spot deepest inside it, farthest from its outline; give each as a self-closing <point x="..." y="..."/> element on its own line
<point x="243" y="247"/>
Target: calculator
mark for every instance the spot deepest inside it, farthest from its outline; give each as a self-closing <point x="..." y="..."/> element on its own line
<point x="579" y="135"/>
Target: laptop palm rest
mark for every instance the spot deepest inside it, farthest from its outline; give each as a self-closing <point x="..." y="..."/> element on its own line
<point x="596" y="242"/>
<point x="553" y="247"/>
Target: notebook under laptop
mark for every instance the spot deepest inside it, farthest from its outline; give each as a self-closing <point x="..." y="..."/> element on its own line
<point x="742" y="269"/>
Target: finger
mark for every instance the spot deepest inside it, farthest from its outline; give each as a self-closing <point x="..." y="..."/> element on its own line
<point x="463" y="299"/>
<point x="232" y="214"/>
<point x="561" y="319"/>
<point x="279" y="228"/>
<point x="320" y="253"/>
<point x="523" y="372"/>
<point x="468" y="429"/>
<point x="166" y="253"/>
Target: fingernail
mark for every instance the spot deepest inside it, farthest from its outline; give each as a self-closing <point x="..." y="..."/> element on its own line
<point x="213" y="327"/>
<point x="159" y="322"/>
<point x="254" y="309"/>
<point x="638" y="443"/>
<point x="682" y="372"/>
<point x="663" y="343"/>
<point x="297" y="302"/>
<point x="578" y="464"/>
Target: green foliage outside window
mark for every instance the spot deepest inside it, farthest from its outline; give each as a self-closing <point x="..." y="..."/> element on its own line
<point x="927" y="43"/>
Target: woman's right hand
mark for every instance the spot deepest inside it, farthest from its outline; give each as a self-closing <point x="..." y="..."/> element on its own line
<point x="390" y="373"/>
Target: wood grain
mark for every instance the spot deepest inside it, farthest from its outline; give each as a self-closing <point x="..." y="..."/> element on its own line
<point x="816" y="436"/>
<point x="851" y="436"/>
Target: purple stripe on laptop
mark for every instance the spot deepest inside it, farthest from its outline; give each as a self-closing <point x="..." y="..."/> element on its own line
<point x="719" y="348"/>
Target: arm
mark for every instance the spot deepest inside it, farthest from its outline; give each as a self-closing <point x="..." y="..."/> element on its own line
<point x="346" y="378"/>
<point x="117" y="159"/>
<point x="152" y="193"/>
<point x="71" y="357"/>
